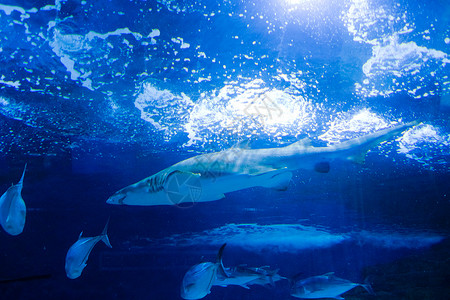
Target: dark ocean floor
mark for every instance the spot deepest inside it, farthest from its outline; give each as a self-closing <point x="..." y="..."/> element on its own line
<point x="418" y="276"/>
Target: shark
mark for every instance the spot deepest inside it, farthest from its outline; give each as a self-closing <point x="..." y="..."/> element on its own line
<point x="324" y="286"/>
<point x="13" y="209"/>
<point x="199" y="279"/>
<point x="78" y="253"/>
<point x="209" y="176"/>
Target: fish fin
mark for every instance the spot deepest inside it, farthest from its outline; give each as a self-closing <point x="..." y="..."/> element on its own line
<point x="81" y="234"/>
<point x="368" y="287"/>
<point x="23" y="174"/>
<point x="244" y="144"/>
<point x="105" y="238"/>
<point x="303" y="143"/>
<point x="328" y="274"/>
<point x="221" y="268"/>
<point x="365" y="143"/>
<point x="279" y="181"/>
<point x="245" y="286"/>
<point x="271" y="282"/>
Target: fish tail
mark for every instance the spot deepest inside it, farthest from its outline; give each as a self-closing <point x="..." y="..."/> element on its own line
<point x="368" y="142"/>
<point x="368" y="287"/>
<point x="105" y="238"/>
<point x="23" y="174"/>
<point x="221" y="268"/>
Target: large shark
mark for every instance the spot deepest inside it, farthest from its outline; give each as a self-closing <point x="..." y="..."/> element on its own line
<point x="324" y="286"/>
<point x="207" y="177"/>
<point x="12" y="208"/>
<point x="198" y="280"/>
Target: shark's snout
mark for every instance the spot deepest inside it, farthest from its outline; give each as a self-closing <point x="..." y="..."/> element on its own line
<point x="117" y="198"/>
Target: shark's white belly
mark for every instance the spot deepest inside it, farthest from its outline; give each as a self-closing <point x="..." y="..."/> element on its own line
<point x="214" y="188"/>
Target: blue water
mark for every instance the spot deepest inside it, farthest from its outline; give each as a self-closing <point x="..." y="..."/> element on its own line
<point x="97" y="95"/>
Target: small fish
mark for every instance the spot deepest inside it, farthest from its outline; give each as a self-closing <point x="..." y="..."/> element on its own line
<point x="198" y="280"/>
<point x="245" y="276"/>
<point x="12" y="208"/>
<point x="268" y="276"/>
<point x="324" y="286"/>
<point x="78" y="253"/>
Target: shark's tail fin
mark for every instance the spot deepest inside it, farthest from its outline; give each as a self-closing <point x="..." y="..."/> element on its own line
<point x="360" y="146"/>
<point x="105" y="238"/>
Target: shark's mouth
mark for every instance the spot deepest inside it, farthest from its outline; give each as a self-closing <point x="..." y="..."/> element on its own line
<point x="116" y="199"/>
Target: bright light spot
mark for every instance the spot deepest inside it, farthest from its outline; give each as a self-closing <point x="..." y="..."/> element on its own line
<point x="3" y="101"/>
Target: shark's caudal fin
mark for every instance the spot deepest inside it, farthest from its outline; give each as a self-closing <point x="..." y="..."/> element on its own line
<point x="105" y="238"/>
<point x="360" y="146"/>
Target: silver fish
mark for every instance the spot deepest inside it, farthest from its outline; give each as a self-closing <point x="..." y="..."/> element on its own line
<point x="208" y="177"/>
<point x="198" y="280"/>
<point x="12" y="208"/>
<point x="245" y="276"/>
<point x="324" y="286"/>
<point x="78" y="253"/>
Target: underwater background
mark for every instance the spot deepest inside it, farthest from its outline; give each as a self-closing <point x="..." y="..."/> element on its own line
<point x="97" y="95"/>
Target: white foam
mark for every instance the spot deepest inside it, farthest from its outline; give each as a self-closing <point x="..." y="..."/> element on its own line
<point x="400" y="59"/>
<point x="295" y="237"/>
<point x="154" y="33"/>
<point x="395" y="240"/>
<point x="395" y="66"/>
<point x="423" y="143"/>
<point x="256" y="238"/>
<point x="248" y="108"/>
<point x="120" y="31"/>
<point x="4" y="101"/>
<point x="8" y="9"/>
<point x="73" y="47"/>
<point x="352" y="124"/>
<point x="164" y="110"/>
<point x="15" y="84"/>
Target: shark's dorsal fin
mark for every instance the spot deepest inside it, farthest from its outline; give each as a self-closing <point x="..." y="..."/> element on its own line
<point x="79" y="237"/>
<point x="303" y="143"/>
<point x="245" y="144"/>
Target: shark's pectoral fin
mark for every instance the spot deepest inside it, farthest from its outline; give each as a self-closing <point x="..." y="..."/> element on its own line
<point x="278" y="180"/>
